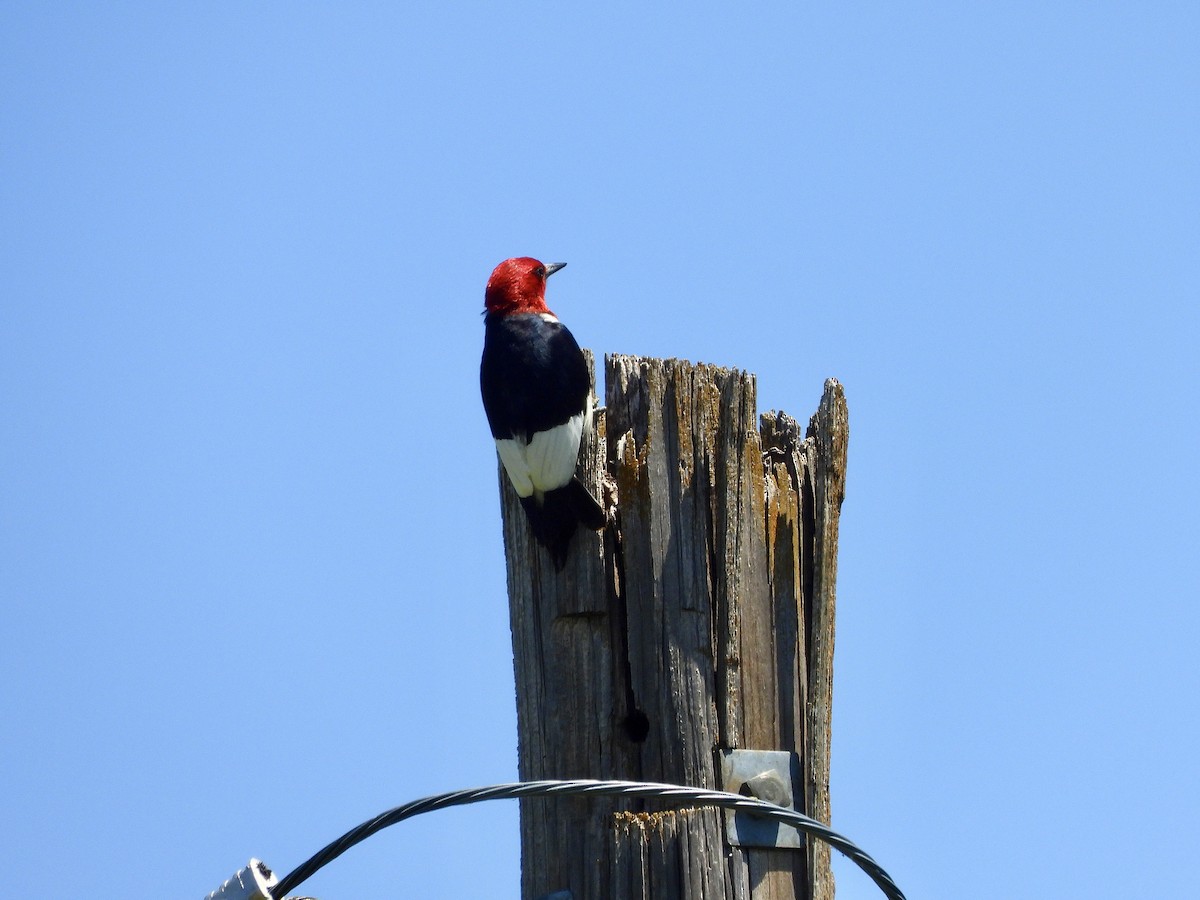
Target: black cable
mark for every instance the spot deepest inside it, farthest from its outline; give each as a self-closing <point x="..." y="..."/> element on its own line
<point x="671" y="793"/>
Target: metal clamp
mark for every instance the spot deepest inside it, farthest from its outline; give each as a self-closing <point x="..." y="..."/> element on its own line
<point x="764" y="775"/>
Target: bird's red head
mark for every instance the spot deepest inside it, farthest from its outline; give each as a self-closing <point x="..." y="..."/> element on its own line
<point x="518" y="285"/>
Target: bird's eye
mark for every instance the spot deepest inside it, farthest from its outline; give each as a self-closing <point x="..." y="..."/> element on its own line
<point x="540" y="271"/>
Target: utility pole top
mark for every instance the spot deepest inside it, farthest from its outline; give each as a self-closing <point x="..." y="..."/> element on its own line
<point x="698" y="626"/>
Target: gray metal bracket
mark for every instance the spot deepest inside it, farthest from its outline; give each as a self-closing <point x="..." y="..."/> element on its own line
<point x="764" y="775"/>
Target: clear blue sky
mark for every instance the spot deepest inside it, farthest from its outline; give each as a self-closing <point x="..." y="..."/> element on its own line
<point x="250" y="551"/>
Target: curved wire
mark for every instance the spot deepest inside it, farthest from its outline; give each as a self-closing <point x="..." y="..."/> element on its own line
<point x="674" y="794"/>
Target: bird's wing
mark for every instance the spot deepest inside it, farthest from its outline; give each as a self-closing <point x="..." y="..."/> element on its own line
<point x="552" y="454"/>
<point x="512" y="453"/>
<point x="536" y="392"/>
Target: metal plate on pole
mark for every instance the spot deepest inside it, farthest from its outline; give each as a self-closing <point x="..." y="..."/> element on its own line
<point x="764" y="775"/>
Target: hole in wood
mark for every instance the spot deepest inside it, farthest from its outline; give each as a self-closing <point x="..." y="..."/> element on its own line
<point x="636" y="726"/>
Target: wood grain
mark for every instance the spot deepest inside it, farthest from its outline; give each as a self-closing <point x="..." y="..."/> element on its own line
<point x="701" y="619"/>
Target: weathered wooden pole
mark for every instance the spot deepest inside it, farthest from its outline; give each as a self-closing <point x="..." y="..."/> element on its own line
<point x="699" y="622"/>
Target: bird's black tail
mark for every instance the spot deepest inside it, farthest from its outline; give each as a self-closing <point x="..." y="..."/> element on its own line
<point x="561" y="511"/>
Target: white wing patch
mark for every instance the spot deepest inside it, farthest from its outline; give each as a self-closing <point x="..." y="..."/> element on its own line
<point x="512" y="454"/>
<point x="548" y="461"/>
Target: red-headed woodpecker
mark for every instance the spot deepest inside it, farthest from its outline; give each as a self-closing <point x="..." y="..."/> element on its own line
<point x="538" y="399"/>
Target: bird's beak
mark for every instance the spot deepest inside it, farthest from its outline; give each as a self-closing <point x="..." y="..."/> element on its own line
<point x="552" y="268"/>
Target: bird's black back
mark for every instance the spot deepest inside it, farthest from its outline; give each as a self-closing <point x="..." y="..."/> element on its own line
<point x="533" y="375"/>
